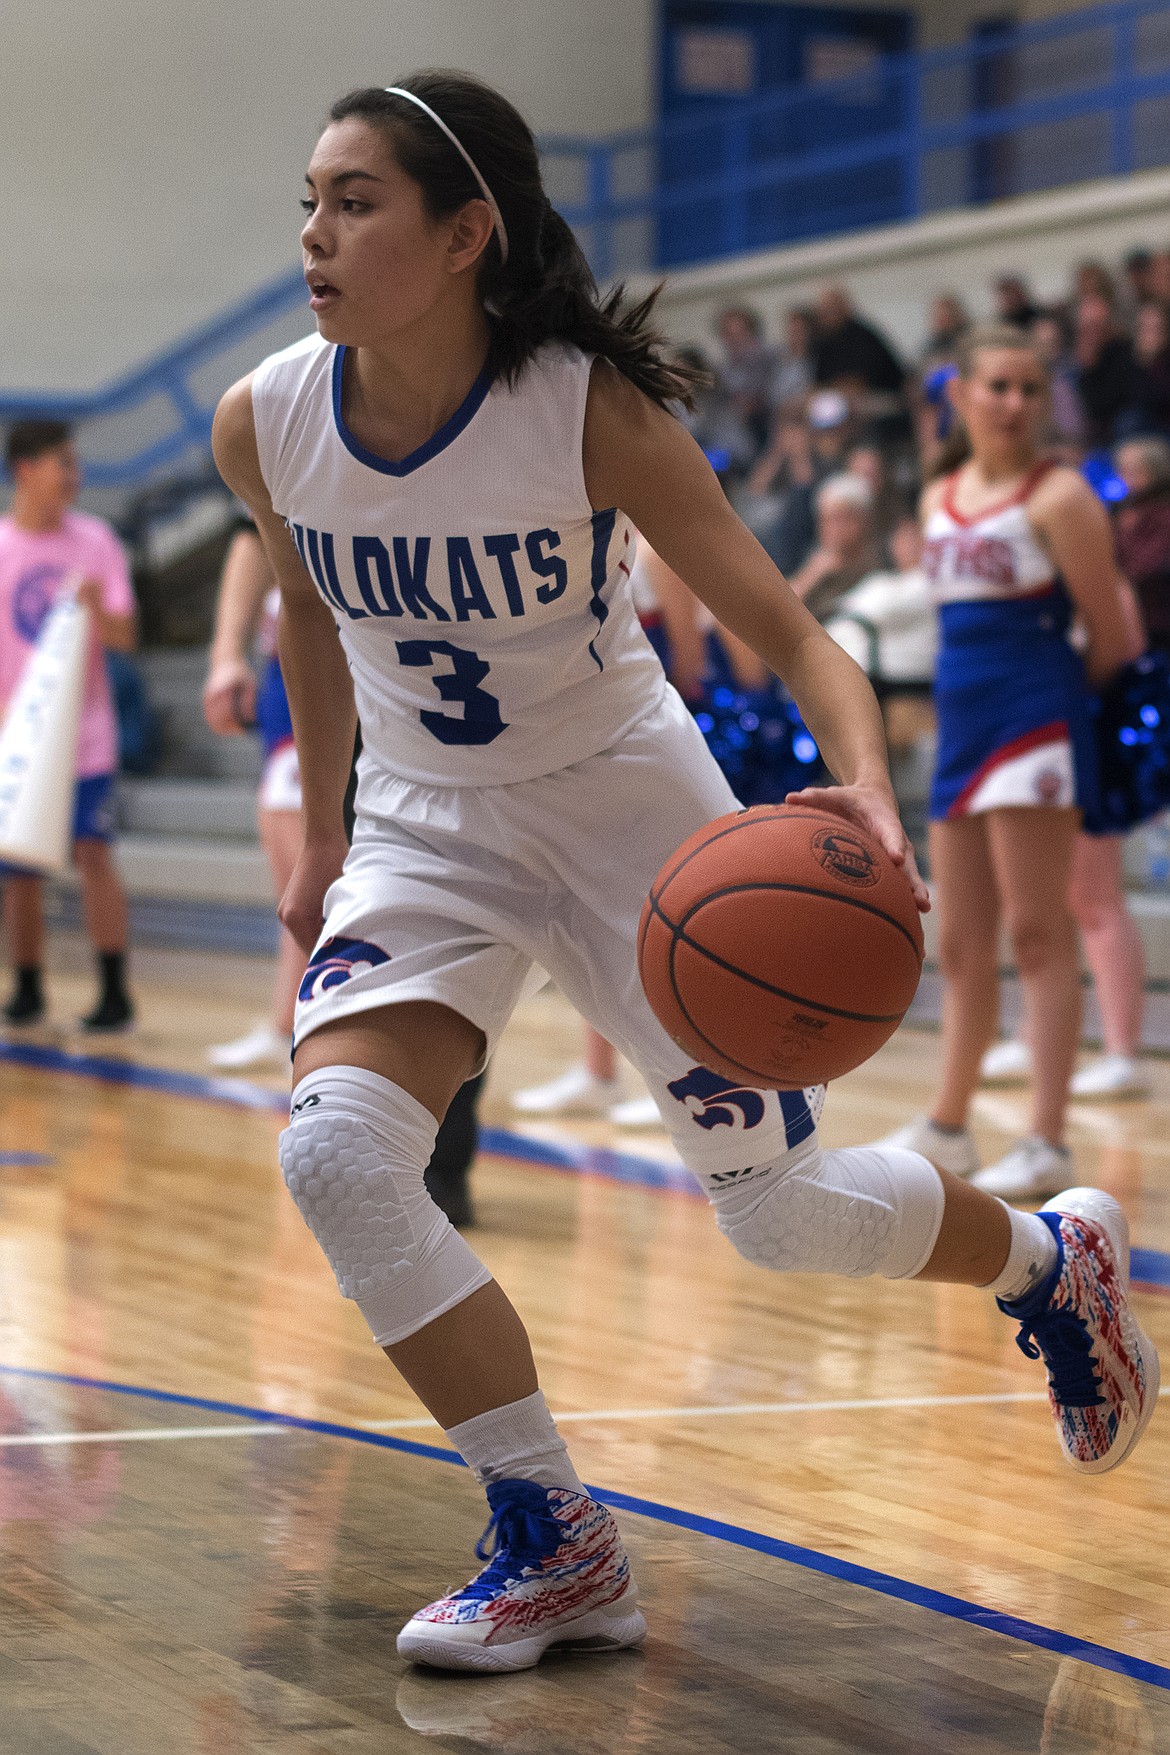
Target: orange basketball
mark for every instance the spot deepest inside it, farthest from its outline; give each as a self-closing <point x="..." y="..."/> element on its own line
<point x="780" y="946"/>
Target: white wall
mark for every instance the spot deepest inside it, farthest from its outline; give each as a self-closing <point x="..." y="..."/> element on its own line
<point x="154" y="149"/>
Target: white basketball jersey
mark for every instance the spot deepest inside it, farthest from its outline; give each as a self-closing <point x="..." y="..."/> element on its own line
<point x="993" y="557"/>
<point x="483" y="604"/>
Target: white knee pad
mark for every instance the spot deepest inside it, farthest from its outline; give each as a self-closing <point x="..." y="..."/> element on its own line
<point x="353" y="1157"/>
<point x="861" y="1210"/>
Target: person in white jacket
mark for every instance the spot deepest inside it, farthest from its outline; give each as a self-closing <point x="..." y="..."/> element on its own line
<point x="887" y="623"/>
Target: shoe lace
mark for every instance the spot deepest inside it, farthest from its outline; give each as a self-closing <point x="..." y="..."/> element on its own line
<point x="1067" y="1348"/>
<point x="516" y="1539"/>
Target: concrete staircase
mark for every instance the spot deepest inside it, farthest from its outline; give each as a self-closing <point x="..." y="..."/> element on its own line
<point x="192" y="839"/>
<point x="174" y="681"/>
<point x="189" y="832"/>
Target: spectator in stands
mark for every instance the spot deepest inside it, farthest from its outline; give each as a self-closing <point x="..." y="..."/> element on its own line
<point x="1138" y="283"/>
<point x="871" y="463"/>
<point x="778" y="504"/>
<point x="850" y="355"/>
<point x="888" y="621"/>
<point x="832" y="429"/>
<point x="1149" y="407"/>
<point x="715" y="424"/>
<point x="1050" y="339"/>
<point x="793" y="376"/>
<point x="44" y="546"/>
<point x="845" y="550"/>
<point x="1142" y="530"/>
<point x="747" y="370"/>
<point x="949" y="322"/>
<point x="1159" y="276"/>
<point x="787" y="462"/>
<point x="1093" y="280"/>
<point x="1105" y="369"/>
<point x="1013" y="301"/>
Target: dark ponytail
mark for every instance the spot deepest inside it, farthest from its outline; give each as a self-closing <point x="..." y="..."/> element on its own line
<point x="545" y="291"/>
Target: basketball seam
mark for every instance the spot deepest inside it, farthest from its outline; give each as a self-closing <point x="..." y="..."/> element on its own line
<point x="678" y="934"/>
<point x="803" y="890"/>
<point x="726" y="1059"/>
<point x="741" y="822"/>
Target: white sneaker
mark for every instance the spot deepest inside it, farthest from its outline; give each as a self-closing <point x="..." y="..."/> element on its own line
<point x="1006" y="1063"/>
<point x="260" y="1047"/>
<point x="1102" y="1370"/>
<point x="1031" y="1171"/>
<point x="956" y="1152"/>
<point x="576" y="1092"/>
<point x="1113" y="1075"/>
<point x="558" y="1575"/>
<point x="636" y="1112"/>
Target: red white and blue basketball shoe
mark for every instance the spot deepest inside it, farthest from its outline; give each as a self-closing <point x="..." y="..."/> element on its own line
<point x="1102" y="1370"/>
<point x="558" y="1575"/>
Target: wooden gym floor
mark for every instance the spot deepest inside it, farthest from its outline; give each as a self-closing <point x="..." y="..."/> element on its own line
<point x="845" y="1502"/>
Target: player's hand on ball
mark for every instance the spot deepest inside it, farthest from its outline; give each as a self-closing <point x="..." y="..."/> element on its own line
<point x="871" y="808"/>
<point x="229" y="697"/>
<point x="302" y="907"/>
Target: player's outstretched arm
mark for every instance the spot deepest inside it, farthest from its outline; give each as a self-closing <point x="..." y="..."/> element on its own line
<point x="316" y="676"/>
<point x="640" y="458"/>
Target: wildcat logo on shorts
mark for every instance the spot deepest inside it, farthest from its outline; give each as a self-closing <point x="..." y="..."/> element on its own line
<point x="713" y="1102"/>
<point x="337" y="961"/>
<point x="845" y="856"/>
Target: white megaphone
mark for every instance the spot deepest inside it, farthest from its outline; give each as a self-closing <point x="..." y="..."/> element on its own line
<point x="38" y="741"/>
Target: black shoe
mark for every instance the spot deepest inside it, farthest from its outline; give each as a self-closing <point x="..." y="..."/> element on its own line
<point x="24" y="1008"/>
<point x="112" y="1013"/>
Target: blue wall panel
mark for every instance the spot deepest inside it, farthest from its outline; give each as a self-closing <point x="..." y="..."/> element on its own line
<point x="717" y="56"/>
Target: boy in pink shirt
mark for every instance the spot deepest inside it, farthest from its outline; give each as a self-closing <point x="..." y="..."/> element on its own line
<point x="42" y="542"/>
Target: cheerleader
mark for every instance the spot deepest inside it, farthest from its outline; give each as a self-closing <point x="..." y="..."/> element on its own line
<point x="1015" y="548"/>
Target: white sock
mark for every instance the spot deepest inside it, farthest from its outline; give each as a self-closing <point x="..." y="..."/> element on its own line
<point x="518" y="1442"/>
<point x="1031" y="1257"/>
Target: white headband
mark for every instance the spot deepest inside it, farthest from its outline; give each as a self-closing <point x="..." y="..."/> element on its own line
<point x="497" y="216"/>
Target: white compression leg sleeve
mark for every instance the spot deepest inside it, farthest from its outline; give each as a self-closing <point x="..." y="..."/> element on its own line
<point x="353" y="1157"/>
<point x="860" y="1210"/>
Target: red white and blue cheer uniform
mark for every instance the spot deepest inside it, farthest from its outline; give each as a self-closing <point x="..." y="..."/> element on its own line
<point x="1013" y="705"/>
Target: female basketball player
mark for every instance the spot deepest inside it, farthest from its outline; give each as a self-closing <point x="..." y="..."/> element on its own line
<point x="446" y="477"/>
<point x="1015" y="547"/>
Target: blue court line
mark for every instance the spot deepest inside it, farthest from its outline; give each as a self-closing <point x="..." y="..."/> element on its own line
<point x="589" y="1161"/>
<point x="22" y="1160"/>
<point x="237" y="1092"/>
<point x="1149" y="1267"/>
<point x="1102" y="1657"/>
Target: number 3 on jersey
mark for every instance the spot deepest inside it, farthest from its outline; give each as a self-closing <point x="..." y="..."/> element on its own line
<point x="480" y="721"/>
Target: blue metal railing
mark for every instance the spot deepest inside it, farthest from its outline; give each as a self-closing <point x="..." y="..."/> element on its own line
<point x="169" y="376"/>
<point x="1083" y="95"/>
<point x="1104" y="68"/>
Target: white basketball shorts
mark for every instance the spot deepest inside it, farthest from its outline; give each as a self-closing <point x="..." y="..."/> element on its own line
<point x="464" y="893"/>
